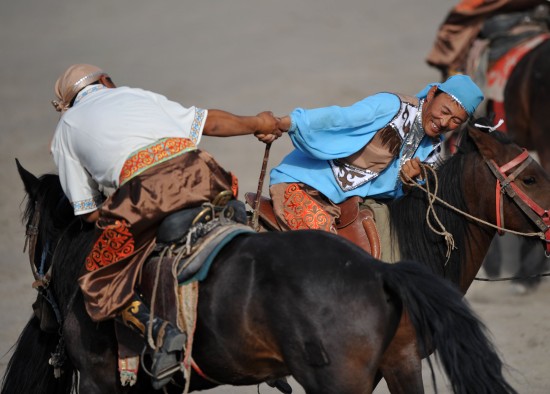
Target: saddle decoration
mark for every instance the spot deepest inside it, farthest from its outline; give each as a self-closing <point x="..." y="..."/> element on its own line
<point x="357" y="223"/>
<point x="500" y="71"/>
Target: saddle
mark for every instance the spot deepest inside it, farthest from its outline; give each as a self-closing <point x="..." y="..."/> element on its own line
<point x="356" y="222"/>
<point x="186" y="244"/>
<point x="186" y="240"/>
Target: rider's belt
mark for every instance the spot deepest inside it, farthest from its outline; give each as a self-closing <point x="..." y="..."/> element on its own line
<point x="153" y="154"/>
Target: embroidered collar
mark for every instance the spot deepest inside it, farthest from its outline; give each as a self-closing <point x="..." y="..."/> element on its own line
<point x="87" y="91"/>
<point x="413" y="138"/>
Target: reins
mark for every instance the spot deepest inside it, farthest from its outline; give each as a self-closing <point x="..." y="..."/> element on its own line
<point x="42" y="284"/>
<point x="432" y="197"/>
<point x="504" y="185"/>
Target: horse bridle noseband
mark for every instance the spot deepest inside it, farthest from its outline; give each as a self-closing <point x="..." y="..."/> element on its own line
<point x="505" y="184"/>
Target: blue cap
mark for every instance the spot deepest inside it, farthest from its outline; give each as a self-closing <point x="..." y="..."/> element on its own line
<point x="462" y="89"/>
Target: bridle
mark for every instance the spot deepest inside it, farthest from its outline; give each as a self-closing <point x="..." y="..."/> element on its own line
<point x="505" y="184"/>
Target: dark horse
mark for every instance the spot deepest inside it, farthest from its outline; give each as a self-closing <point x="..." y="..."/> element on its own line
<point x="526" y="103"/>
<point x="466" y="181"/>
<point x="308" y="304"/>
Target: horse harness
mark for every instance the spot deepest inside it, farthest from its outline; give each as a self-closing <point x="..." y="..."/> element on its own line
<point x="41" y="284"/>
<point x="505" y="184"/>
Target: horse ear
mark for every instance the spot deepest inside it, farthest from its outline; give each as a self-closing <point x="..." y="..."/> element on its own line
<point x="30" y="182"/>
<point x="484" y="141"/>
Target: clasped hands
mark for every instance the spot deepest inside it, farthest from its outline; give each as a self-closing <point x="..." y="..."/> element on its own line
<point x="271" y="127"/>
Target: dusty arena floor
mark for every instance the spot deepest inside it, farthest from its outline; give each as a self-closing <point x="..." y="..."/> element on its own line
<point x="242" y="56"/>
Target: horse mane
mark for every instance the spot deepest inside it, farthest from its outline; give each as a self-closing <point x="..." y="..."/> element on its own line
<point x="408" y="214"/>
<point x="61" y="235"/>
<point x="55" y="210"/>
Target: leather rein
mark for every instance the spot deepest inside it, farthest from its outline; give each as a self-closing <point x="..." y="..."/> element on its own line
<point x="505" y="184"/>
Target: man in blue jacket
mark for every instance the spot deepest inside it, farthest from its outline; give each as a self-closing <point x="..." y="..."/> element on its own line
<point x="360" y="150"/>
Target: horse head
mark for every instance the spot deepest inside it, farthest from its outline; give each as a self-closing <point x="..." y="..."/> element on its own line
<point x="47" y="214"/>
<point x="472" y="201"/>
<point x="520" y="195"/>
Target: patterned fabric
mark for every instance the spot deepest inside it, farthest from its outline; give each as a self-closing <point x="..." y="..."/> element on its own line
<point x="401" y="137"/>
<point x="350" y="177"/>
<point x="128" y="368"/>
<point x="498" y="74"/>
<point x="86" y="91"/>
<point x="87" y="205"/>
<point x="196" y="127"/>
<point x="301" y="212"/>
<point x="153" y="154"/>
<point x="115" y="243"/>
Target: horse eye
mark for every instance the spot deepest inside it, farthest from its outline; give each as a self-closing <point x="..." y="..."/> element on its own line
<point x="530" y="180"/>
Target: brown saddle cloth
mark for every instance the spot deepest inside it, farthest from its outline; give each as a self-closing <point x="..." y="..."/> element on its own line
<point x="355" y="224"/>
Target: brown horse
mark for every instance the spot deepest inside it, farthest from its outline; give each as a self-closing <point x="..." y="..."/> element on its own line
<point x="466" y="181"/>
<point x="526" y="102"/>
<point x="473" y="192"/>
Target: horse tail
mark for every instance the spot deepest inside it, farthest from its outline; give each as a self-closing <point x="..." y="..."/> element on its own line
<point x="444" y="321"/>
<point x="28" y="370"/>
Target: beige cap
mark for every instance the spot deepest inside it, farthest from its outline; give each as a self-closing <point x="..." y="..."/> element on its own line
<point x="72" y="81"/>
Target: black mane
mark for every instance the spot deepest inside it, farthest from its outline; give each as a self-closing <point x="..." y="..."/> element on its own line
<point x="61" y="235"/>
<point x="408" y="214"/>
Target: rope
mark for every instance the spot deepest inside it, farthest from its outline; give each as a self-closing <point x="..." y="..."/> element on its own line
<point x="449" y="240"/>
<point x="407" y="180"/>
<point x="410" y="182"/>
<point x="150" y="339"/>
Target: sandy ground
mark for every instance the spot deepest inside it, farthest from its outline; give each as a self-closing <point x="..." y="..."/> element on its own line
<point x="243" y="56"/>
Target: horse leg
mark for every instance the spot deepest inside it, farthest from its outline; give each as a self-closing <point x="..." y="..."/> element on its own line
<point x="341" y="377"/>
<point x="401" y="365"/>
<point x="533" y="262"/>
<point x="92" y="348"/>
<point x="493" y="259"/>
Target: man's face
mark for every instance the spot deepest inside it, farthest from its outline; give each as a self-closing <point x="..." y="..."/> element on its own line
<point x="440" y="113"/>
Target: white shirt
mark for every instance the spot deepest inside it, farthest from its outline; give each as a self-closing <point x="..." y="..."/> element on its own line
<point x="104" y="127"/>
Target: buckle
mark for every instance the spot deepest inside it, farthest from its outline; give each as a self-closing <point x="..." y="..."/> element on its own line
<point x="222" y="198"/>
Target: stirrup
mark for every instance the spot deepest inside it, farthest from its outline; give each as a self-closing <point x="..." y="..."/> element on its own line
<point x="166" y="348"/>
<point x="166" y="361"/>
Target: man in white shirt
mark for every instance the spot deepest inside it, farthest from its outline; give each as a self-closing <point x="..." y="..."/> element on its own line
<point x="145" y="147"/>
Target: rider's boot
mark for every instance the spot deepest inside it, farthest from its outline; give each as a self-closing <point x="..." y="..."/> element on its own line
<point x="168" y="340"/>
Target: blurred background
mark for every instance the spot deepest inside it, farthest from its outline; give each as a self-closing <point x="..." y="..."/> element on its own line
<point x="242" y="56"/>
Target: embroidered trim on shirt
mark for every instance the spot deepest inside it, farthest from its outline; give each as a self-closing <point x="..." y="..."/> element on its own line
<point x="86" y="91"/>
<point x="158" y="152"/>
<point x="87" y="205"/>
<point x="196" y="126"/>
